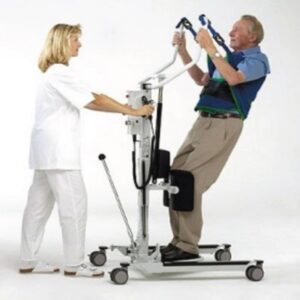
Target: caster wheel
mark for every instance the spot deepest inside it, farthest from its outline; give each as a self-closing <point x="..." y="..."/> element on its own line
<point x="223" y="255"/>
<point x="98" y="258"/>
<point x="254" y="273"/>
<point x="119" y="276"/>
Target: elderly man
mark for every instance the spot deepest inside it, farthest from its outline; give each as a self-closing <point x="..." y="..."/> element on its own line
<point x="229" y="88"/>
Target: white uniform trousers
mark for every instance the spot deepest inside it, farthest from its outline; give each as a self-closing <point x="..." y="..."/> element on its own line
<point x="67" y="189"/>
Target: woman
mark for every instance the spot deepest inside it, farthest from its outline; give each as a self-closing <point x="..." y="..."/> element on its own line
<point x="54" y="154"/>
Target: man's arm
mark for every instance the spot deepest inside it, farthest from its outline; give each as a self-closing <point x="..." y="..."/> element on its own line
<point x="232" y="76"/>
<point x="195" y="72"/>
<point x="107" y="104"/>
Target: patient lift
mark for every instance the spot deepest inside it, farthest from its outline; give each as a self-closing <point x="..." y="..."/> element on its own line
<point x="151" y="164"/>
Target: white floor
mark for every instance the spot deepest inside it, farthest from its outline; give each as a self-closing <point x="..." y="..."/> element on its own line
<point x="274" y="239"/>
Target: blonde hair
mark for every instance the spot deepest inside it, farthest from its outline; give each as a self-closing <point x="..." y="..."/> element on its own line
<point x="57" y="46"/>
<point x="255" y="27"/>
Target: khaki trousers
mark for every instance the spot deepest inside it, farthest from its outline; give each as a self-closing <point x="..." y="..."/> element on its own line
<point x="204" y="154"/>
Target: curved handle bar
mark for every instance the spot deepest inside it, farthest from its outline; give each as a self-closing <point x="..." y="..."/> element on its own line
<point x="185" y="68"/>
<point x="184" y="23"/>
<point x="155" y="74"/>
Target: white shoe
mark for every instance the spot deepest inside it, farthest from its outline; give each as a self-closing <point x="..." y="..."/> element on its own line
<point x="38" y="267"/>
<point x="83" y="271"/>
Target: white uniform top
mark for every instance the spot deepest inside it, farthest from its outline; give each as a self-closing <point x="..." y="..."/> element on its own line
<point x="55" y="139"/>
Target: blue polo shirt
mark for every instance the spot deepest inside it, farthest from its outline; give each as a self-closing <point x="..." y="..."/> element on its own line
<point x="254" y="65"/>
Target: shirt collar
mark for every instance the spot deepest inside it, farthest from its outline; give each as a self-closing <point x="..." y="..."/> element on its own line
<point x="252" y="50"/>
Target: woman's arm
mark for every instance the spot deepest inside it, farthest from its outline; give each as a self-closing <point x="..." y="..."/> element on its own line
<point x="107" y="104"/>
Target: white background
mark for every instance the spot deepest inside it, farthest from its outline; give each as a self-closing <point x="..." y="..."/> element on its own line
<point x="255" y="203"/>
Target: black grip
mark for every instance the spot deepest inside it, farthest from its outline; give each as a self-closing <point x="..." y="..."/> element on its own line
<point x="101" y="156"/>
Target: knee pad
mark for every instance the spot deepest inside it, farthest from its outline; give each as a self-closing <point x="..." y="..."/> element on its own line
<point x="163" y="161"/>
<point x="184" y="199"/>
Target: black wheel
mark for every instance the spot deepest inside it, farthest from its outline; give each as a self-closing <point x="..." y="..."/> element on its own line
<point x="98" y="258"/>
<point x="223" y="255"/>
<point x="119" y="276"/>
<point x="255" y="273"/>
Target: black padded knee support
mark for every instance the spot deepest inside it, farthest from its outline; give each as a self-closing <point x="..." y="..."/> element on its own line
<point x="184" y="199"/>
<point x="163" y="169"/>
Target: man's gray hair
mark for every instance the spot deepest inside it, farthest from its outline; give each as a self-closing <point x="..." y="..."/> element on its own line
<point x="255" y="27"/>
